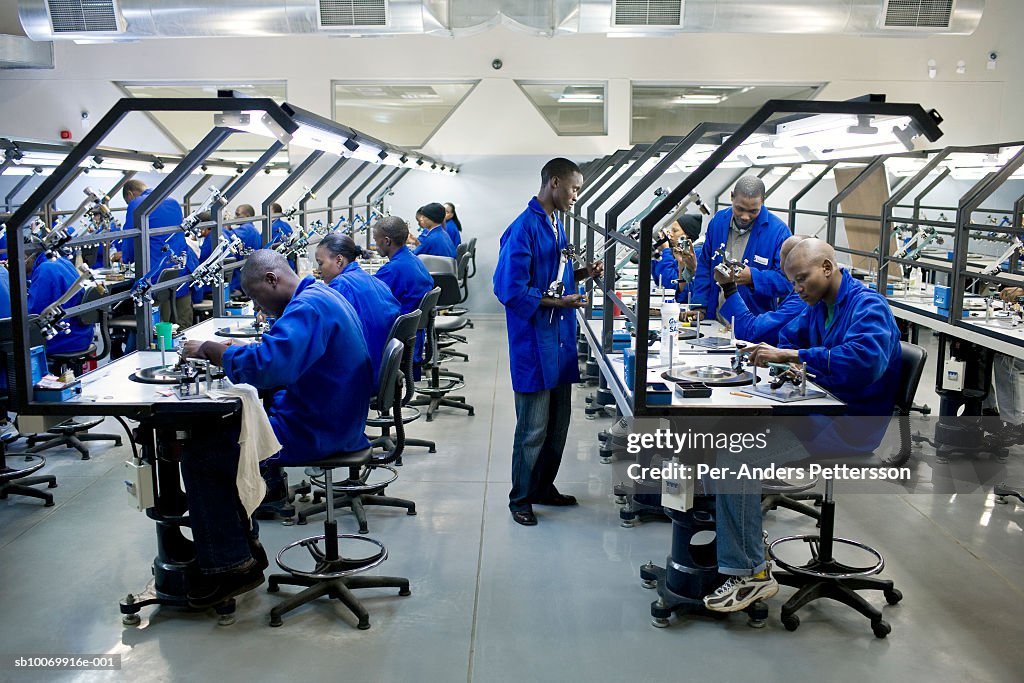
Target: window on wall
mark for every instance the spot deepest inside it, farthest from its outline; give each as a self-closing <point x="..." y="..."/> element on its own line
<point x="186" y="128"/>
<point x="660" y="109"/>
<point x="405" y="114"/>
<point x="570" y="108"/>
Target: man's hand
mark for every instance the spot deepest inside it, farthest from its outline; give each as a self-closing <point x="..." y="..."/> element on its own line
<point x="593" y="270"/>
<point x="763" y="354"/>
<point x="568" y="301"/>
<point x="692" y="314"/>
<point x="115" y="257"/>
<point x="209" y="350"/>
<point x="1010" y="294"/>
<point x="686" y="257"/>
<point x="723" y="278"/>
<point x="744" y="277"/>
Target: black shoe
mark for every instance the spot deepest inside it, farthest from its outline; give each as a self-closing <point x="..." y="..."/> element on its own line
<point x="213" y="589"/>
<point x="524" y="517"/>
<point x="558" y="500"/>
<point x="274" y="509"/>
<point x="259" y="553"/>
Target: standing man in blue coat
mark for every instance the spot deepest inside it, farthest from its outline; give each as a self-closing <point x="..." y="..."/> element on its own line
<point x="848" y="338"/>
<point x="337" y="257"/>
<point x="751" y="234"/>
<point x="316" y="351"/>
<point x="404" y="274"/>
<point x="161" y="248"/>
<point x="434" y="241"/>
<point x="537" y="286"/>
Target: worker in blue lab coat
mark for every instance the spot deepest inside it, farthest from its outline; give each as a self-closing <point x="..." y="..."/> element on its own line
<point x="404" y="274"/>
<point x="317" y="352"/>
<point x="161" y="248"/>
<point x="337" y="259"/>
<point x="765" y="327"/>
<point x="281" y="230"/>
<point x="250" y="236"/>
<point x="49" y="279"/>
<point x="5" y="293"/>
<point x="672" y="260"/>
<point x="435" y="240"/>
<point x="452" y="224"/>
<point x="848" y="338"/>
<point x="537" y="286"/>
<point x="751" y="235"/>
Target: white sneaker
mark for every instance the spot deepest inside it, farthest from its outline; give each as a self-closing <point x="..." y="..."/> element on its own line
<point x="739" y="592"/>
<point x="8" y="432"/>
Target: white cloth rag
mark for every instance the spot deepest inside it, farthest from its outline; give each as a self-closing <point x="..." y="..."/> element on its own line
<point x="256" y="443"/>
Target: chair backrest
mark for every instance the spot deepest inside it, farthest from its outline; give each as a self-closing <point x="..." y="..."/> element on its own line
<point x="389" y="398"/>
<point x="404" y="330"/>
<point x="167" y="294"/>
<point x="462" y="271"/>
<point x="427" y="305"/>
<point x="913" y="359"/>
<point x="472" y="257"/>
<point x="463" y="248"/>
<point x="443" y="270"/>
<point x="100" y="316"/>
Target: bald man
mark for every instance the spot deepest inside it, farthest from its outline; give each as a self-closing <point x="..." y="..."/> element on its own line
<point x="317" y="352"/>
<point x="765" y="327"/>
<point x="848" y="337"/>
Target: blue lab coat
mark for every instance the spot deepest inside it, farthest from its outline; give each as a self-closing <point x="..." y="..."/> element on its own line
<point x="453" y="233"/>
<point x="541" y="340"/>
<point x="279" y="230"/>
<point x="376" y="308"/>
<point x="765" y="327"/>
<point x="857" y="358"/>
<point x="50" y="279"/>
<point x="436" y="243"/>
<point x="762" y="256"/>
<point x="166" y="214"/>
<point x="252" y="238"/>
<point x="409" y="281"/>
<point x="5" y="293"/>
<point x="665" y="274"/>
<point x="316" y="351"/>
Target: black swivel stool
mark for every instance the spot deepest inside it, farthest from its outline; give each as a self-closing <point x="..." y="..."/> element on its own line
<point x="16" y="481"/>
<point x="358" y="491"/>
<point x="824" y="576"/>
<point x="333" y="575"/>
<point x="436" y="392"/>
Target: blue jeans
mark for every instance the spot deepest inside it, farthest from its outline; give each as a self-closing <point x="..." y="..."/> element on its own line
<point x="739" y="524"/>
<point x="220" y="527"/>
<point x="542" y="422"/>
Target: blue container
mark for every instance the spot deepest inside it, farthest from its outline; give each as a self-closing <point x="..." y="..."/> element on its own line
<point x="58" y="395"/>
<point x="629" y="361"/>
<point x="620" y="340"/>
<point x="942" y="297"/>
<point x="658" y="394"/>
<point x="39" y="369"/>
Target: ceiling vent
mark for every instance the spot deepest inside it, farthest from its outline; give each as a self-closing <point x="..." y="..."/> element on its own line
<point x="918" y="14"/>
<point x="353" y="13"/>
<point x="85" y="16"/>
<point x="647" y="13"/>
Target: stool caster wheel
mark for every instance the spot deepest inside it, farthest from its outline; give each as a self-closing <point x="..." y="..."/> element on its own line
<point x="1002" y="500"/>
<point x="432" y="450"/>
<point x="272" y="587"/>
<point x="894" y="596"/>
<point x="881" y="628"/>
<point x="131" y="619"/>
<point x="657" y="622"/>
<point x="649" y="584"/>
<point x="52" y="485"/>
<point x="792" y="622"/>
<point x="471" y="414"/>
<point x="411" y="513"/>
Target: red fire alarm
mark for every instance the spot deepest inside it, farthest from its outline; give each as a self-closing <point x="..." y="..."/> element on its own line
<point x="65" y="135"/>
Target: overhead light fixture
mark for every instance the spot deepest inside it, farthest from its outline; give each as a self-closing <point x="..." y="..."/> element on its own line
<point x="694" y="98"/>
<point x="580" y="98"/>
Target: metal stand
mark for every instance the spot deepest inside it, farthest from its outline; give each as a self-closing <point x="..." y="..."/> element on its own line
<point x="691" y="571"/>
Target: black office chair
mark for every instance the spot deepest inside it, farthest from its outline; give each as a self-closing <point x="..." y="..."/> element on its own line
<point x="462" y="276"/>
<point x="447" y="322"/>
<point x="472" y="258"/>
<point x="71" y="433"/>
<point x="358" y="491"/>
<point x="826" y="577"/>
<point x="332" y="574"/>
<point x="404" y="330"/>
<point x="437" y="391"/>
<point x="16" y="480"/>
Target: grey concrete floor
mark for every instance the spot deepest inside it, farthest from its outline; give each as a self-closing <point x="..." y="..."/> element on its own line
<point x="494" y="601"/>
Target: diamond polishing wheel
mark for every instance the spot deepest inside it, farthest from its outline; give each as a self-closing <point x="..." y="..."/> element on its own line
<point x="239" y="332"/>
<point x="165" y="374"/>
<point x="711" y="375"/>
